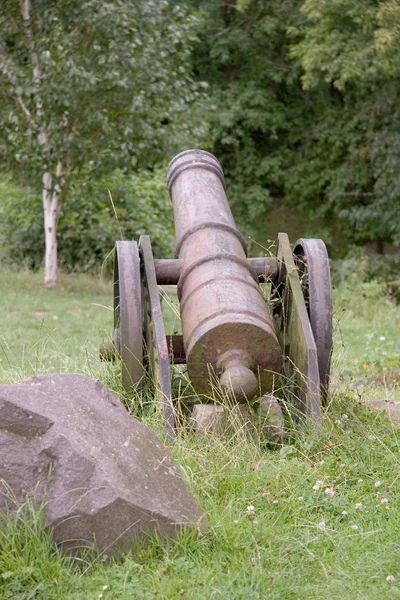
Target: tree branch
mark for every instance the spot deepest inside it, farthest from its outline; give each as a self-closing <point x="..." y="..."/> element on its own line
<point x="353" y="194"/>
<point x="25" y="109"/>
<point x="37" y="75"/>
<point x="13" y="80"/>
<point x="55" y="197"/>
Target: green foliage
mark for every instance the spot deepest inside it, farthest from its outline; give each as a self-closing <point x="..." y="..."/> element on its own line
<point x="258" y="106"/>
<point x="111" y="81"/>
<point x="347" y="41"/>
<point x="21" y="226"/>
<point x="305" y="99"/>
<point x="337" y="43"/>
<point x="303" y="108"/>
<point x="117" y="206"/>
<point x="360" y="266"/>
<point x="354" y="47"/>
<point x="89" y="85"/>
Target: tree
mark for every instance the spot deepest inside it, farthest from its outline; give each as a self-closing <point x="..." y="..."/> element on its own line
<point x="306" y="100"/>
<point x="88" y="83"/>
<point x="91" y="224"/>
<point x="260" y="109"/>
<point x="351" y="49"/>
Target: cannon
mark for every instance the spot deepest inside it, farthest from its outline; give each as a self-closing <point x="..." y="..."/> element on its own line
<point x="233" y="336"/>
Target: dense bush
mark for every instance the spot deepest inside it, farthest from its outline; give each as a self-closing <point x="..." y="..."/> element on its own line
<point x="306" y="102"/>
<point x="21" y="226"/>
<point x="97" y="213"/>
<point x="361" y="266"/>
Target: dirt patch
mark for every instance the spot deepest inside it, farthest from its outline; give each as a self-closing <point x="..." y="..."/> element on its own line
<point x="391" y="408"/>
<point x="388" y="377"/>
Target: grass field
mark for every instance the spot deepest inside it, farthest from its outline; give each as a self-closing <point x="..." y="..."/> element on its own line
<point x="326" y="509"/>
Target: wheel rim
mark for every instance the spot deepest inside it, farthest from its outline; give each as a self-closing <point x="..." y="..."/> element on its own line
<point x="128" y="312"/>
<point x="312" y="261"/>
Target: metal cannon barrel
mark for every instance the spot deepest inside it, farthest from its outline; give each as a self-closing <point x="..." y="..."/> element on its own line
<point x="227" y="330"/>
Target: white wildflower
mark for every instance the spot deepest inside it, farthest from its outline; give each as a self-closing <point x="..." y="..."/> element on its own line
<point x="250" y="510"/>
<point x="321" y="526"/>
<point x="377" y="483"/>
<point x="384" y="500"/>
<point x="354" y="526"/>
<point x="390" y="579"/>
<point x="359" y="506"/>
<point x="330" y="492"/>
<point x="318" y="485"/>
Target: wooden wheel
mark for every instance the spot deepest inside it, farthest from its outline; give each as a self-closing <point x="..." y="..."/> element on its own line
<point x="156" y="341"/>
<point x="294" y="331"/>
<point x="312" y="261"/>
<point x="128" y="330"/>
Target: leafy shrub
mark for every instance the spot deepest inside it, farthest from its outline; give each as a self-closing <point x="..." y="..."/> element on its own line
<point x="116" y="207"/>
<point x="21" y="226"/>
<point x="95" y="215"/>
<point x="361" y="266"/>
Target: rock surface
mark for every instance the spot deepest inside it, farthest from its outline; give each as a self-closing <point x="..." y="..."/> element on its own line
<point x="106" y="478"/>
<point x="219" y="419"/>
<point x="271" y="418"/>
<point x="207" y="418"/>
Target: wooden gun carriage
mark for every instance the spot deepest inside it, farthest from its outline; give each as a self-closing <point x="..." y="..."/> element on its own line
<point x="230" y="333"/>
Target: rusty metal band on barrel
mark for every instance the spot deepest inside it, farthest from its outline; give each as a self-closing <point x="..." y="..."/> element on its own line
<point x="210" y="225"/>
<point x="210" y="258"/>
<point x="197" y="152"/>
<point x="185" y="166"/>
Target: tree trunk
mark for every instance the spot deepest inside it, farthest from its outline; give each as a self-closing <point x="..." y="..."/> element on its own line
<point x="51" y="191"/>
<point x="51" y="209"/>
<point x="50" y="260"/>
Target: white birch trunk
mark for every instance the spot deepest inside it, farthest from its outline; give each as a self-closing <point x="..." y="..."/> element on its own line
<point x="50" y="193"/>
<point x="51" y="209"/>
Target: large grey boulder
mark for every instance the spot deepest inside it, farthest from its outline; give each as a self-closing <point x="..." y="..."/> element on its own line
<point x="105" y="477"/>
